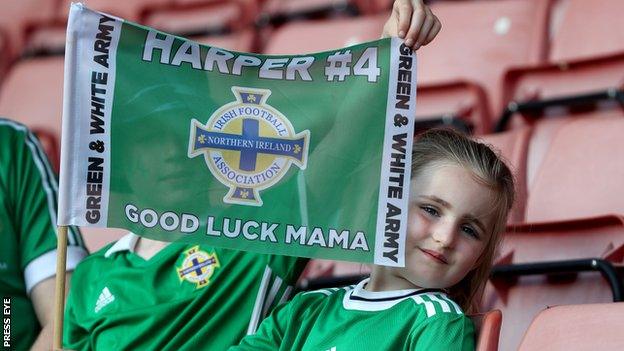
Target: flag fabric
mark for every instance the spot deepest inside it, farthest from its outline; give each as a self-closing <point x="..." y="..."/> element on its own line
<point x="305" y="155"/>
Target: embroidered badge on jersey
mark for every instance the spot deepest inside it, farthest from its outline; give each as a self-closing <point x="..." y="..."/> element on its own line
<point x="248" y="145"/>
<point x="198" y="266"/>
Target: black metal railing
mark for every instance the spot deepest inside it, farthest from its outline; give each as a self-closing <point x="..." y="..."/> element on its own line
<point x="510" y="271"/>
<point x="613" y="94"/>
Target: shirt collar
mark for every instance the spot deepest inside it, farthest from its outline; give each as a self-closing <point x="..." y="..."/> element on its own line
<point x="125" y="243"/>
<point x="364" y="300"/>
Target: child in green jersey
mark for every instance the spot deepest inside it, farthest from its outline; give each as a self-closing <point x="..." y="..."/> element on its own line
<point x="461" y="195"/>
<point x="28" y="193"/>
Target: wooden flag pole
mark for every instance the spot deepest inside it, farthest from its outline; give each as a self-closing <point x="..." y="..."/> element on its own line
<point x="59" y="305"/>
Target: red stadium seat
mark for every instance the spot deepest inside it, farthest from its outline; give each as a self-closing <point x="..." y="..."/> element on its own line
<point x="513" y="147"/>
<point x="539" y="144"/>
<point x="18" y="15"/>
<point x="487" y="328"/>
<point x="243" y="40"/>
<point x="482" y="47"/>
<point x="462" y="105"/>
<point x="521" y="298"/>
<point x="586" y="54"/>
<point x="558" y="81"/>
<point x="459" y="100"/>
<point x="373" y="6"/>
<point x="573" y="175"/>
<point x="587" y="29"/>
<point x="581" y="173"/>
<point x="32" y="94"/>
<point x="127" y="9"/>
<point x="285" y="10"/>
<point x="321" y="35"/>
<point x="46" y="39"/>
<point x="578" y="327"/>
<point x="279" y="11"/>
<point x="199" y="18"/>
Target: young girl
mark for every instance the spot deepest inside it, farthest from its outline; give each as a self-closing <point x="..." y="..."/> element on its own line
<point x="461" y="193"/>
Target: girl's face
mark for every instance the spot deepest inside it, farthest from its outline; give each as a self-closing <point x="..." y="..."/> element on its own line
<point x="450" y="220"/>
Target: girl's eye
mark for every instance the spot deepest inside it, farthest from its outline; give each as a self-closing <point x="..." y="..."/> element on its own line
<point x="431" y="211"/>
<point x="470" y="231"/>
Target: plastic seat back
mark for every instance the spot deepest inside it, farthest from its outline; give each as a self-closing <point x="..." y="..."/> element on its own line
<point x="577" y="327"/>
<point x="513" y="147"/>
<point x="587" y="29"/>
<point x="521" y="298"/>
<point x="202" y="18"/>
<point x="582" y="170"/>
<point x="127" y="9"/>
<point x="18" y="15"/>
<point x="482" y="47"/>
<point x="322" y="35"/>
<point x="239" y="41"/>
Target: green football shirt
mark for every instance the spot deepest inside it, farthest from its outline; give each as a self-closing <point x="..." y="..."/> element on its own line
<point x="352" y="318"/>
<point x="186" y="297"/>
<point x="28" y="193"/>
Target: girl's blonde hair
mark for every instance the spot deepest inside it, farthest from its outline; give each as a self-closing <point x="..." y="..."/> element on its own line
<point x="448" y="146"/>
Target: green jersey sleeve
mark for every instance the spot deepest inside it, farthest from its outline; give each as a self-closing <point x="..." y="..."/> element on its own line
<point x="444" y="332"/>
<point x="31" y="189"/>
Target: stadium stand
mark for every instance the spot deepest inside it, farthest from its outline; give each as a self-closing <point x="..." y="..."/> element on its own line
<point x="479" y="49"/>
<point x="243" y="40"/>
<point x="584" y="65"/>
<point x="563" y="222"/>
<point x="469" y="101"/>
<point x="322" y="35"/>
<point x="577" y="327"/>
<point x="131" y="10"/>
<point x="18" y="15"/>
<point x="587" y="30"/>
<point x="45" y="40"/>
<point x="530" y="273"/>
<point x="202" y="18"/>
<point x="461" y="105"/>
<point x="278" y="12"/>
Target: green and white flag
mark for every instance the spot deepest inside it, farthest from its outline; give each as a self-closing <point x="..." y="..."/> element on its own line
<point x="305" y="155"/>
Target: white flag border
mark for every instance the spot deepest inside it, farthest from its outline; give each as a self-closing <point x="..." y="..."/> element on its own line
<point x="82" y="28"/>
<point x="390" y="130"/>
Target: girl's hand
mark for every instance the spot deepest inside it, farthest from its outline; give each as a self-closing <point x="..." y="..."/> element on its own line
<point x="413" y="21"/>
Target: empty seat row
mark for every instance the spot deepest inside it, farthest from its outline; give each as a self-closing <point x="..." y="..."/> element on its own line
<point x="21" y="17"/>
<point x="471" y="72"/>
<point x="514" y="51"/>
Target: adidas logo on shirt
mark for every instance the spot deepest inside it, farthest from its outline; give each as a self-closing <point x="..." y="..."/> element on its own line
<point x="104" y="299"/>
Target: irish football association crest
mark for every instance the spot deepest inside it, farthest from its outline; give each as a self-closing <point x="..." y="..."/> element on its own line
<point x="248" y="145"/>
<point x="198" y="266"/>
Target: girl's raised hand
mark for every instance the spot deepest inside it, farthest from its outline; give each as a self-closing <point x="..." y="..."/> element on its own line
<point x="413" y="21"/>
